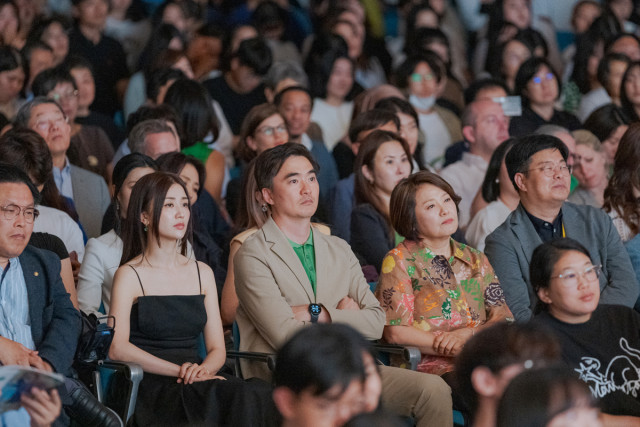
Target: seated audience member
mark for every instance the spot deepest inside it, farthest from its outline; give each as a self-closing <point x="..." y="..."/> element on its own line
<point x="548" y="397"/>
<point x="594" y="337"/>
<point x="263" y="128"/>
<point x="165" y="49"/>
<point x="343" y="153"/>
<point x="38" y="56"/>
<point x="103" y="254"/>
<point x="105" y="54"/>
<point x="382" y="162"/>
<point x="436" y="292"/>
<point x="240" y="87"/>
<point x="289" y="276"/>
<point x="27" y="150"/>
<point x="90" y="148"/>
<point x="331" y="73"/>
<point x="625" y="43"/>
<point x="590" y="169"/>
<point x="12" y="78"/>
<point x="193" y="174"/>
<point x="326" y="372"/>
<point x="199" y="127"/>
<point x="82" y="72"/>
<point x="510" y="54"/>
<point x="281" y="75"/>
<point x="564" y="135"/>
<point x="580" y="79"/>
<point x="610" y="72"/>
<point x="295" y="105"/>
<point x="493" y="357"/>
<point x="87" y="190"/>
<point x="423" y="77"/>
<point x="43" y="327"/>
<point x="484" y="127"/>
<point x="161" y="111"/>
<point x="409" y="128"/>
<point x="608" y="123"/>
<point x="538" y="86"/>
<point x="179" y="387"/>
<point x="343" y="198"/>
<point x="629" y="99"/>
<point x="153" y="138"/>
<point x="621" y="195"/>
<point x="497" y="190"/>
<point x="270" y="20"/>
<point x="538" y="170"/>
<point x="52" y="31"/>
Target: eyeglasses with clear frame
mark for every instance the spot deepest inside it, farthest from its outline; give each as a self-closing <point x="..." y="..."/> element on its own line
<point x="10" y="212"/>
<point x="550" y="169"/>
<point x="569" y="279"/>
<point x="272" y="130"/>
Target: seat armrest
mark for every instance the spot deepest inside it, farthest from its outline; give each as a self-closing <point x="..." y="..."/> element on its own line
<point x="411" y="355"/>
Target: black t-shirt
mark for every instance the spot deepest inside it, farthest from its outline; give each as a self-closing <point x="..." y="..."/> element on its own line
<point x="605" y="353"/>
<point x="234" y="105"/>
<point x="49" y="242"/>
<point x="109" y="65"/>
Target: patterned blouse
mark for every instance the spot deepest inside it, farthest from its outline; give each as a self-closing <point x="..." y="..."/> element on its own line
<point x="431" y="293"/>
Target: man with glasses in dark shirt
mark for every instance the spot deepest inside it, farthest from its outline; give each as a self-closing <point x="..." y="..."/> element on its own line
<point x="538" y="169"/>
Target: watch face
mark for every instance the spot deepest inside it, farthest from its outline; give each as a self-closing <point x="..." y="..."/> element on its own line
<point x="314" y="309"/>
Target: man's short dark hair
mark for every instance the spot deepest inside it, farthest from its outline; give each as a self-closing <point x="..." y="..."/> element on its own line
<point x="14" y="175"/>
<point x="409" y="65"/>
<point x="518" y="158"/>
<point x="48" y="79"/>
<point x="321" y="357"/>
<point x="370" y="120"/>
<point x="277" y="100"/>
<point x="255" y="54"/>
<point x="269" y="162"/>
<point x="472" y="91"/>
<point x="499" y="347"/>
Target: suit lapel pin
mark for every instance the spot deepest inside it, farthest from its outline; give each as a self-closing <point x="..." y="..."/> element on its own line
<point x="35" y="273"/>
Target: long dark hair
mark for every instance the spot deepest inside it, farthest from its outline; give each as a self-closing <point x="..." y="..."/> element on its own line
<point x="148" y="196"/>
<point x="619" y="195"/>
<point x="365" y="190"/>
<point x="626" y="103"/>
<point x="121" y="171"/>
<point x="195" y="106"/>
<point x="491" y="185"/>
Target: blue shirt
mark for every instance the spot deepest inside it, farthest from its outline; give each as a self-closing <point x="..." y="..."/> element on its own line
<point x="62" y="177"/>
<point x="15" y="324"/>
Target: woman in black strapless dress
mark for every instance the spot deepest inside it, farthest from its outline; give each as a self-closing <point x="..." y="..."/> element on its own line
<point x="163" y="300"/>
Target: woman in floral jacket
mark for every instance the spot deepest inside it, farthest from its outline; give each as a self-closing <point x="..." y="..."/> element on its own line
<point x="436" y="292"/>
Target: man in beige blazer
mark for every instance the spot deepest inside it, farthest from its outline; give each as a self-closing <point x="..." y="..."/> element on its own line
<point x="288" y="276"/>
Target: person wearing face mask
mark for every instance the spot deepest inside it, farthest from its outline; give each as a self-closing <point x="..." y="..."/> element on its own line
<point x="423" y="77"/>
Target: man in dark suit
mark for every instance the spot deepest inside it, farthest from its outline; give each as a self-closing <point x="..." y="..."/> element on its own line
<point x="537" y="166"/>
<point x="39" y="327"/>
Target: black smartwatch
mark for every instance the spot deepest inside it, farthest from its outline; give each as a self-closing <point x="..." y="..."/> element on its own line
<point x="314" y="311"/>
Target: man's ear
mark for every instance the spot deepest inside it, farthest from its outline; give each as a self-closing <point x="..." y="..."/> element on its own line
<point x="251" y="143"/>
<point x="267" y="195"/>
<point x="285" y="399"/>
<point x="520" y="182"/>
<point x="469" y="134"/>
<point x="484" y="382"/>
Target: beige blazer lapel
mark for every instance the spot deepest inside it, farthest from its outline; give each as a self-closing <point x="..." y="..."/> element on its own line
<point x="281" y="247"/>
<point x="322" y="256"/>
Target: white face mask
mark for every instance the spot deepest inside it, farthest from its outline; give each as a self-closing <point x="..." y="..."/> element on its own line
<point x="423" y="104"/>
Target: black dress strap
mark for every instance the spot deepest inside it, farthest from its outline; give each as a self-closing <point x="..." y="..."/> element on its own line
<point x="199" y="280"/>
<point x="140" y="281"/>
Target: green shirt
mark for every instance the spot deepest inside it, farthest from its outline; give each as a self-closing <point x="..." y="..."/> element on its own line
<point x="307" y="254"/>
<point x="199" y="150"/>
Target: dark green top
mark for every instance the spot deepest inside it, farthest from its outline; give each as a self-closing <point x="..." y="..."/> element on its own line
<point x="307" y="254"/>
